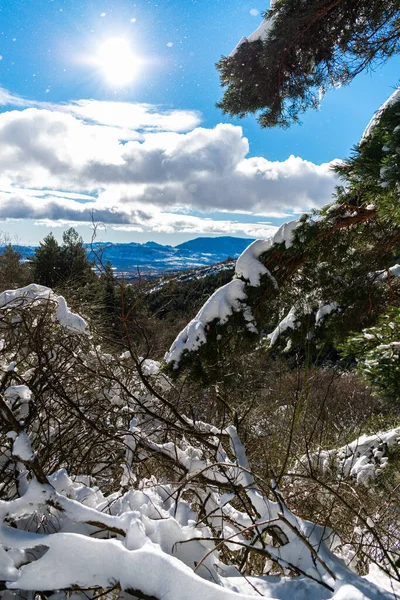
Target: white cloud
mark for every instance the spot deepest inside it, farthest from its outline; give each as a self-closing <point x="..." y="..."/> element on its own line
<point x="152" y="218"/>
<point x="173" y="223"/>
<point x="61" y="223"/>
<point x="124" y="116"/>
<point x="133" y="115"/>
<point x="254" y="12"/>
<point x="127" y="228"/>
<point x="9" y="99"/>
<point x="71" y="162"/>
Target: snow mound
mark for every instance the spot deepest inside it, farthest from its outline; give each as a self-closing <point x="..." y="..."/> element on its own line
<point x="160" y="547"/>
<point x="25" y="295"/>
<point x="68" y="319"/>
<point x="18" y="392"/>
<point x="34" y="293"/>
<point x="22" y="447"/>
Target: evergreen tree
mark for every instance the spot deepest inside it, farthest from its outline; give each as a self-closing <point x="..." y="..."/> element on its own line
<point x="67" y="265"/>
<point x="306" y="47"/>
<point x="317" y="279"/>
<point x="76" y="268"/>
<point x="47" y="263"/>
<point x="377" y="352"/>
<point x="13" y="273"/>
<point x="372" y="174"/>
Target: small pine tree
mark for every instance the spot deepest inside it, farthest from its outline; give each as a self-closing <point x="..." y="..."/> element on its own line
<point x="62" y="266"/>
<point x="377" y="352"/>
<point x="47" y="263"/>
<point x="372" y="174"/>
<point x="13" y="273"/>
<point x="76" y="268"/>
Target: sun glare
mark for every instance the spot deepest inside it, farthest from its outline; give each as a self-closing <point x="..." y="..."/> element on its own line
<point x="116" y="60"/>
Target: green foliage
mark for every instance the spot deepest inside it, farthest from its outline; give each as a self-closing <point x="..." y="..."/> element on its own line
<point x="13" y="273"/>
<point x="47" y="264"/>
<point x="311" y="47"/>
<point x="372" y="173"/>
<point x="220" y="359"/>
<point x="377" y="351"/>
<point x="77" y="270"/>
<point x="334" y="259"/>
<point x="62" y="266"/>
<point x="110" y="301"/>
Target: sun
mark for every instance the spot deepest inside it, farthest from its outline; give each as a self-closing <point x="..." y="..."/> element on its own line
<point x="117" y="61"/>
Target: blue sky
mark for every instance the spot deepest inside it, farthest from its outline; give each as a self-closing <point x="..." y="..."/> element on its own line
<point x="139" y="143"/>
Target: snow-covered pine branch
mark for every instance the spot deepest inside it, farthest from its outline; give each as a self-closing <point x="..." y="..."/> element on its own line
<point x="261" y="271"/>
<point x="326" y="257"/>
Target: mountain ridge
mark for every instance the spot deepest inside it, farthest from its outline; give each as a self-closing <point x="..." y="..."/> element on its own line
<point x="151" y="258"/>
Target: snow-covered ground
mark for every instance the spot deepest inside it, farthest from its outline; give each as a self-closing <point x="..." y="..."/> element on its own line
<point x="155" y="538"/>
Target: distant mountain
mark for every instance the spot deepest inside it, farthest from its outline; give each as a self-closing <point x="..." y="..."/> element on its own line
<point x="155" y="245"/>
<point x="150" y="259"/>
<point x="231" y="246"/>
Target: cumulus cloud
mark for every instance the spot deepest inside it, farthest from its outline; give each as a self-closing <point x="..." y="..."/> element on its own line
<point x="74" y="163"/>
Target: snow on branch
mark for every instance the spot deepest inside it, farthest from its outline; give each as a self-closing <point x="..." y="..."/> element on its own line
<point x="34" y="294"/>
<point x="248" y="265"/>
<point x="160" y="537"/>
<point x="236" y="296"/>
<point x="393" y="99"/>
<point x="362" y="459"/>
<point x="290" y="321"/>
<point x="231" y="297"/>
<point x="261" y="33"/>
<point x="222" y="304"/>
